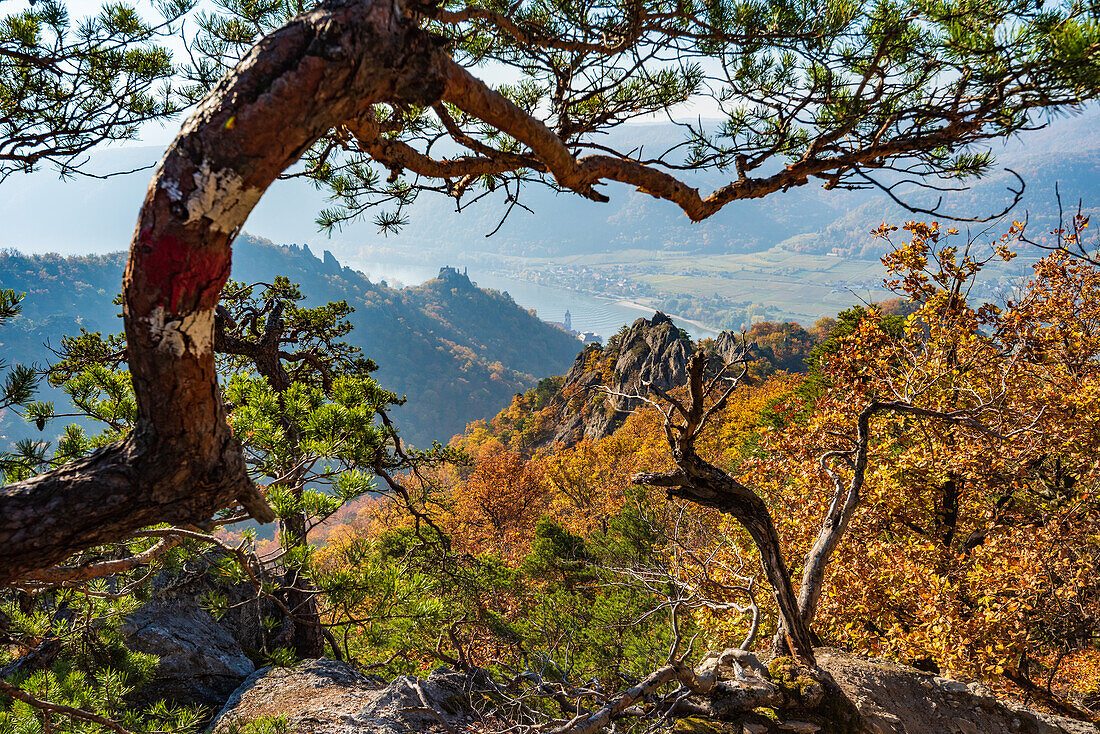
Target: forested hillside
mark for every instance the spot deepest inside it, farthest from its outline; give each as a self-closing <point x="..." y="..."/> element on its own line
<point x="607" y="383"/>
<point x="940" y="451"/>
<point x="966" y="468"/>
<point x="458" y="351"/>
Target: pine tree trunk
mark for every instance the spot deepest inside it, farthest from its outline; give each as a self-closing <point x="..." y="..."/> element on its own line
<point x="300" y="594"/>
<point x="182" y="463"/>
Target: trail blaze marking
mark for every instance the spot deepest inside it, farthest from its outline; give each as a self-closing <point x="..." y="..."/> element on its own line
<point x="192" y="333"/>
<point x="222" y="197"/>
<point x="181" y="271"/>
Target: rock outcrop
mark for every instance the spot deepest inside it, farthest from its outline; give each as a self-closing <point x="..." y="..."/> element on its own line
<point x="329" y="697"/>
<point x="202" y="659"/>
<point x="864" y="696"/>
<point x="897" y="699"/>
<point x="649" y="351"/>
<point x="200" y="662"/>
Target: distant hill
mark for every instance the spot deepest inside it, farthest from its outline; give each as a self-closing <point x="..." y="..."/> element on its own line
<point x="807" y="218"/>
<point x="100" y="214"/>
<point x="457" y="351"/>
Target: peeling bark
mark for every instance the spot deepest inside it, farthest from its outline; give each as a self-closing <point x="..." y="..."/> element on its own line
<point x="181" y="464"/>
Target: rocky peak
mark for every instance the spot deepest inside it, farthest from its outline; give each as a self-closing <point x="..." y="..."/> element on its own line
<point x="649" y="351"/>
<point x="653" y="351"/>
<point x="730" y="346"/>
<point x="606" y="383"/>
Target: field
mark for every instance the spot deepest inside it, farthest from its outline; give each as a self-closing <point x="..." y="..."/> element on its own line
<point x="788" y="285"/>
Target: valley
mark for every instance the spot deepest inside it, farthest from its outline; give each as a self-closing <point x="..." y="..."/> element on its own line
<point x="459" y="351"/>
<point x="549" y="367"/>
<point x="805" y="254"/>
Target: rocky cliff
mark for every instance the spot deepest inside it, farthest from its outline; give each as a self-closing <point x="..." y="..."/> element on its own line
<point x="595" y="397"/>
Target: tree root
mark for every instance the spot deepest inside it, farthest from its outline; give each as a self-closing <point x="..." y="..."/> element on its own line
<point x="727" y="686"/>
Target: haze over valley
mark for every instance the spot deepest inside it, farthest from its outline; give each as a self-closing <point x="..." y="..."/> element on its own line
<point x="549" y="367"/>
<point x="799" y="255"/>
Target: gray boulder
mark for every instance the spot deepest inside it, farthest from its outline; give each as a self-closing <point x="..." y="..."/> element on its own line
<point x="329" y="697"/>
<point x="202" y="659"/>
<point x="861" y="695"/>
<point x="897" y="699"/>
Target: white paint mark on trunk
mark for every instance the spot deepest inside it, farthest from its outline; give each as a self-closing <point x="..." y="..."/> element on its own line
<point x="222" y="197"/>
<point x="192" y="333"/>
<point x="172" y="187"/>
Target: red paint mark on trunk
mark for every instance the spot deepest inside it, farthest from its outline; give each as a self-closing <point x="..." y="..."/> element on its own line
<point x="181" y="271"/>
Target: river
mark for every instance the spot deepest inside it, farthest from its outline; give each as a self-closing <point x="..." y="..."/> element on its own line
<point x="598" y="314"/>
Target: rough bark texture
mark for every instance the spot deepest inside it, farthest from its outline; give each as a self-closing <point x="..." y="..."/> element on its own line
<point x="181" y="463"/>
<point x="700" y="482"/>
<point x="835" y="523"/>
<point x="706" y="485"/>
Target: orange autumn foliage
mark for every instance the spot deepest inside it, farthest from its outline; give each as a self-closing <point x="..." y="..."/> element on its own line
<point x="976" y="545"/>
<point x="497" y="505"/>
<point x="976" y="549"/>
<point x="970" y="552"/>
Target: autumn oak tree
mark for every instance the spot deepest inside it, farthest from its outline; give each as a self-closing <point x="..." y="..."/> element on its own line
<point x="840" y="92"/>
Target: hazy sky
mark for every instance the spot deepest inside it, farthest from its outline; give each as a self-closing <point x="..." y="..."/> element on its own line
<point x="41" y="213"/>
<point x="161" y="134"/>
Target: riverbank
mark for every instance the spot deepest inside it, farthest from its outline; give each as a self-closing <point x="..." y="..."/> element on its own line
<point x="601" y="314"/>
<point x="704" y="331"/>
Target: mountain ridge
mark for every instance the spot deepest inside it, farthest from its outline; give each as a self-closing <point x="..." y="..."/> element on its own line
<point x="459" y="352"/>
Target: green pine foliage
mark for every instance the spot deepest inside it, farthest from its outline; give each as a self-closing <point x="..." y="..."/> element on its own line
<point x="19" y="380"/>
<point x="68" y="85"/>
<point x="864" y="91"/>
<point x="65" y="646"/>
<point x="17" y="388"/>
<point x="575" y="612"/>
